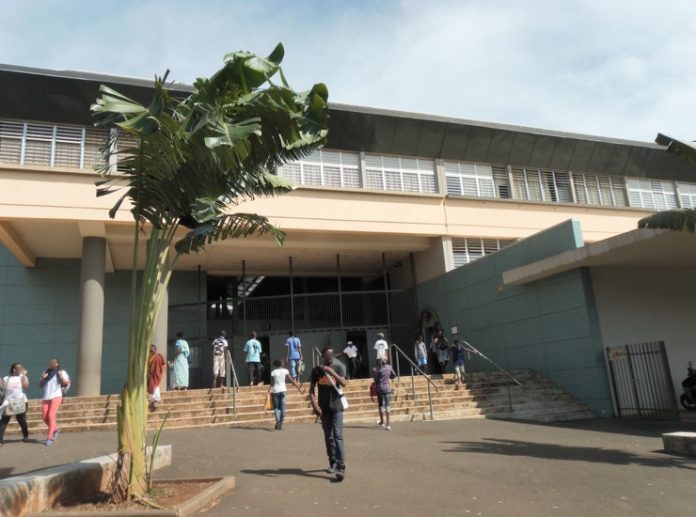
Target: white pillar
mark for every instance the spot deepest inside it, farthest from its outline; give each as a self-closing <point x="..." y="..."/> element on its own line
<point x="89" y="356"/>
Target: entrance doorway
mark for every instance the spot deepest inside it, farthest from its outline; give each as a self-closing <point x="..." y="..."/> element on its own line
<point x="359" y="339"/>
<point x="265" y="358"/>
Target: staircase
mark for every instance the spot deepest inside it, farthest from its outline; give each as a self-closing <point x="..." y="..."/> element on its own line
<point x="485" y="395"/>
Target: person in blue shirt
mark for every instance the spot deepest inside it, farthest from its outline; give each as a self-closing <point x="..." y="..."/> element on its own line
<point x="252" y="349"/>
<point x="294" y="355"/>
<point x="457" y="352"/>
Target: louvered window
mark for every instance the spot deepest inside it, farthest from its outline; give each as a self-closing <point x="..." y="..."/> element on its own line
<point x="652" y="194"/>
<point x="468" y="249"/>
<point x="591" y="189"/>
<point x="324" y="168"/>
<point x="400" y="174"/>
<point x="687" y="195"/>
<point x="541" y="185"/>
<point x="470" y="179"/>
<point x="50" y="145"/>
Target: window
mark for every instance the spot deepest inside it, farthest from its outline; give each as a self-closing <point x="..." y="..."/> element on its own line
<point x="687" y="195"/>
<point x="469" y="179"/>
<point x="591" y="189"/>
<point x="652" y="194"/>
<point x="324" y="168"/>
<point x="400" y="174"/>
<point x="468" y="249"/>
<point x="541" y="185"/>
<point x="50" y="145"/>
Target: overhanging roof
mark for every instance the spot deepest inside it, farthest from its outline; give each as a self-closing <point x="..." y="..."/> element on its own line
<point x="65" y="96"/>
<point x="649" y="248"/>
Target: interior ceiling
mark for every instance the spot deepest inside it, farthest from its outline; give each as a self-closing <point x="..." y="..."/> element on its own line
<point x="312" y="253"/>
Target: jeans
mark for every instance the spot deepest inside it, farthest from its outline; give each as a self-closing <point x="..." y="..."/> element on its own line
<point x="49" y="412"/>
<point x="279" y="406"/>
<point x="294" y="373"/>
<point x="332" y="424"/>
<point x="21" y="420"/>
<point x="254" y="372"/>
<point x="384" y="402"/>
<point x="352" y="367"/>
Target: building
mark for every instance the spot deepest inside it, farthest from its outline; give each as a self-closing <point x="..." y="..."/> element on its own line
<point x="387" y="225"/>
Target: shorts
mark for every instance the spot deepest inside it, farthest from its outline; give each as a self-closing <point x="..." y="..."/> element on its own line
<point x="459" y="371"/>
<point x="218" y="366"/>
<point x="422" y="361"/>
<point x="384" y="401"/>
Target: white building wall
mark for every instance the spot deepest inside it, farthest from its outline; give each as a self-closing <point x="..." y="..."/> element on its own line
<point x="648" y="304"/>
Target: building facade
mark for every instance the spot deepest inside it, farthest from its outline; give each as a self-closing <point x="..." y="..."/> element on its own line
<point x="392" y="207"/>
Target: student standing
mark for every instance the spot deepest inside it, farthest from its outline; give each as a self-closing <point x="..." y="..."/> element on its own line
<point x="220" y="346"/>
<point x="294" y="355"/>
<point x="457" y="352"/>
<point x="420" y="353"/>
<point x="155" y="372"/>
<point x="329" y="408"/>
<point x="55" y="382"/>
<point x="383" y="377"/>
<point x="443" y="351"/>
<point x="14" y="385"/>
<point x="182" y="353"/>
<point x="279" y="390"/>
<point x="252" y="349"/>
<point x="381" y="349"/>
<point x="351" y="353"/>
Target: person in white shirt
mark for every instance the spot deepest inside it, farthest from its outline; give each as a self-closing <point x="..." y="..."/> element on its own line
<point x="55" y="382"/>
<point x="351" y="353"/>
<point x="14" y="385"/>
<point x="381" y="349"/>
<point x="220" y="346"/>
<point x="279" y="390"/>
<point x="420" y="353"/>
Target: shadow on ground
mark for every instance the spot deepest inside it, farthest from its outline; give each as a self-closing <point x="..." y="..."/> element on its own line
<point x="272" y="473"/>
<point x="551" y="451"/>
<point x="627" y="426"/>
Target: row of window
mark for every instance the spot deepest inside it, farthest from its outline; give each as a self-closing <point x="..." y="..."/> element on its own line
<point x="41" y="144"/>
<point x="468" y="249"/>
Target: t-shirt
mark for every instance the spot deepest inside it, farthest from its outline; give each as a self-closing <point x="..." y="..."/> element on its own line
<point x="382" y="378"/>
<point x="420" y="350"/>
<point x="329" y="400"/>
<point x="457" y="355"/>
<point x="351" y="351"/>
<point x="381" y="347"/>
<point x="52" y="388"/>
<point x="293" y="344"/>
<point x="219" y="346"/>
<point x="278" y="380"/>
<point x="253" y="351"/>
<point x="12" y="385"/>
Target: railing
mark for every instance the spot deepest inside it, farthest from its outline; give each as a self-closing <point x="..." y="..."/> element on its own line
<point x="471" y="349"/>
<point x="414" y="368"/>
<point x="231" y="379"/>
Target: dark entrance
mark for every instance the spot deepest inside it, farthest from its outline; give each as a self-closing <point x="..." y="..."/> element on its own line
<point x="265" y="358"/>
<point x="359" y="339"/>
<point x="642" y="381"/>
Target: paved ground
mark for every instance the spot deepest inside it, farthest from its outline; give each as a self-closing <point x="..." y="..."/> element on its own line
<point x="466" y="467"/>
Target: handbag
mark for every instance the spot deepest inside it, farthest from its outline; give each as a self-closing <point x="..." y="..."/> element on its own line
<point x="269" y="403"/>
<point x="341" y="395"/>
<point x="16" y="404"/>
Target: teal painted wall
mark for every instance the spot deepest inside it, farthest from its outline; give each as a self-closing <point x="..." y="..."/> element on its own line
<point x="550" y="325"/>
<point x="40" y="311"/>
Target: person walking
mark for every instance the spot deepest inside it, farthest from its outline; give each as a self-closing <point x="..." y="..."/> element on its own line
<point x="351" y="353"/>
<point x="181" y="363"/>
<point x="155" y="372"/>
<point x="381" y="349"/>
<point x="457" y="352"/>
<point x="279" y="391"/>
<point x="220" y="346"/>
<point x="294" y="355"/>
<point x="252" y="349"/>
<point x="443" y="350"/>
<point x="328" y="406"/>
<point x="13" y="386"/>
<point x="55" y="382"/>
<point x="420" y="353"/>
<point x="384" y="374"/>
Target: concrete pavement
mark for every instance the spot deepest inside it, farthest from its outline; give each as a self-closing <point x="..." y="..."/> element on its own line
<point x="462" y="467"/>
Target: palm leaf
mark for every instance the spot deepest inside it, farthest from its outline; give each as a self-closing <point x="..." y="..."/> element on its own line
<point x="676" y="220"/>
<point x="684" y="150"/>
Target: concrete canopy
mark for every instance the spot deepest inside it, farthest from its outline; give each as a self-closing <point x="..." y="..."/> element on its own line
<point x="649" y="248"/>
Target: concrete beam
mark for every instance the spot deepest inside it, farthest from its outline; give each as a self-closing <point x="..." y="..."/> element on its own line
<point x="14" y="243"/>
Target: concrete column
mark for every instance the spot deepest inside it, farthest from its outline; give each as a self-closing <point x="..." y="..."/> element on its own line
<point x="160" y="334"/>
<point x="89" y="355"/>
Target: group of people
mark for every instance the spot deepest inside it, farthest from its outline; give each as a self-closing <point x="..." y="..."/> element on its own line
<point x="54" y="381"/>
<point x="440" y="353"/>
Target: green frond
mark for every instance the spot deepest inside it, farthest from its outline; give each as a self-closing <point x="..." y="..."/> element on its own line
<point x="676" y="220"/>
<point x="684" y="150"/>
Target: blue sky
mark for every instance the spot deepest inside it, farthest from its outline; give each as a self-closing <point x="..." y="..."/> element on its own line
<point x="614" y="67"/>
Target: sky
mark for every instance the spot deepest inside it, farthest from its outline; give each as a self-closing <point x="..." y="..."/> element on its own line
<point x="618" y="68"/>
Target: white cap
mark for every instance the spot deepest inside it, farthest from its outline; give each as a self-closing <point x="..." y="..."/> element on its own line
<point x="350" y="342"/>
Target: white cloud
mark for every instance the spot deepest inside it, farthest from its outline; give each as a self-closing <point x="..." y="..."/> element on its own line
<point x="619" y="68"/>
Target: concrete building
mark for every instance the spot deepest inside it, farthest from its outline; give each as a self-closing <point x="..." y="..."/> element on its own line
<point x="388" y="221"/>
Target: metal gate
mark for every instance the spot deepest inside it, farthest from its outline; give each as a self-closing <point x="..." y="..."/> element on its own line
<point x="642" y="381"/>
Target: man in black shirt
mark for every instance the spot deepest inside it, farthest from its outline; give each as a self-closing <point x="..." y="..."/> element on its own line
<point x="330" y="379"/>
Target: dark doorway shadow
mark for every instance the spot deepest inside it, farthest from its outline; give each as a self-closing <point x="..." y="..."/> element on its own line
<point x="552" y="451"/>
<point x="272" y="473"/>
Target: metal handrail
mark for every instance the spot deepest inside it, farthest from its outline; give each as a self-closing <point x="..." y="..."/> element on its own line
<point x="413" y="382"/>
<point x="316" y="357"/>
<point x="231" y="379"/>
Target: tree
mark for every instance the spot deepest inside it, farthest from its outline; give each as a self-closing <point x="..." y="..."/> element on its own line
<point x="682" y="219"/>
<point x="195" y="158"/>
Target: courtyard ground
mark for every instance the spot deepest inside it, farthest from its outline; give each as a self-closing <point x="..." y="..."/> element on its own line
<point x="464" y="467"/>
